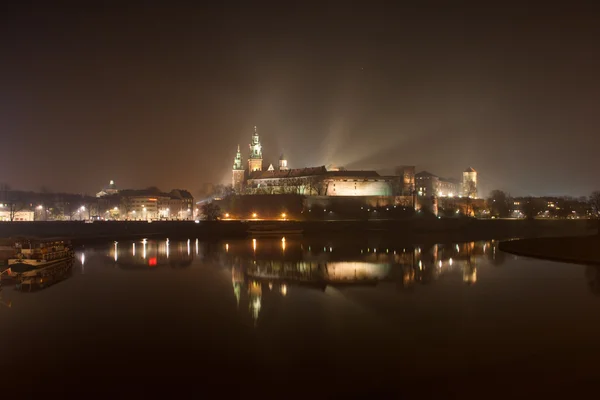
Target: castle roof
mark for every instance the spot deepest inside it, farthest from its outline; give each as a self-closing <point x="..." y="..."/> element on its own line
<point x="424" y="174"/>
<point x="470" y="169"/>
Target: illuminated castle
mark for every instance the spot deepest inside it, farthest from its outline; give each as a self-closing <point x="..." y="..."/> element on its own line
<point x="318" y="181"/>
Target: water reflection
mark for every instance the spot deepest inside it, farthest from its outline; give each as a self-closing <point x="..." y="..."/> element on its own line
<point x="155" y="253"/>
<point x="276" y="266"/>
<point x="592" y="275"/>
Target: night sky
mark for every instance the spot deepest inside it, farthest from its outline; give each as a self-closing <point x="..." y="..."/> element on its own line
<point x="162" y="96"/>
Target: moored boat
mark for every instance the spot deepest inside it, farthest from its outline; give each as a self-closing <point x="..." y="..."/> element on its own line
<point x="40" y="262"/>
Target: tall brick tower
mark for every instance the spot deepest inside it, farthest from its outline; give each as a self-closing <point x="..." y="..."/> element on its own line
<point x="255" y="159"/>
<point x="238" y="172"/>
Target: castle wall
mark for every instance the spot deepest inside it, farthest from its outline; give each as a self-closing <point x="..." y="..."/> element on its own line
<point x="358" y="188"/>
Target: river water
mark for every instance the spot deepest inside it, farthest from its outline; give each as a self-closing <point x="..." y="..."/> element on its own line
<point x="331" y="317"/>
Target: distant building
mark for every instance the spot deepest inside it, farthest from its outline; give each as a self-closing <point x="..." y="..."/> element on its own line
<point x="427" y="184"/>
<point x="147" y="205"/>
<point x="108" y="190"/>
<point x="448" y="187"/>
<point x="23" y="215"/>
<point x="469" y="183"/>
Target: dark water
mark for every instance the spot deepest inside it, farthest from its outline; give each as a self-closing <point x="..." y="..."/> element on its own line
<point x="279" y="318"/>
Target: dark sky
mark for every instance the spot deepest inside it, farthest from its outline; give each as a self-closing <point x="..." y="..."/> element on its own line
<point x="163" y="95"/>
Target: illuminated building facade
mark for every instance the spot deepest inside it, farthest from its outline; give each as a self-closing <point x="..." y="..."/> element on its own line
<point x="428" y="184"/>
<point x="469" y="183"/>
<point x="147" y="205"/>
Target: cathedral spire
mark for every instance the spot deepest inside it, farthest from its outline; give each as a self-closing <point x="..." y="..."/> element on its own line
<point x="255" y="159"/>
<point x="237" y="161"/>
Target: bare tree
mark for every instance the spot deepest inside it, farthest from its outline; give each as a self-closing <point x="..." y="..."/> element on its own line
<point x="315" y="185"/>
<point x="211" y="211"/>
<point x="594" y="201"/>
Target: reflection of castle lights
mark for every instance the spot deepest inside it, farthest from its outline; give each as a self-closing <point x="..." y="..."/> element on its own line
<point x="133" y="250"/>
<point x="283" y="244"/>
<point x="254" y="244"/>
<point x="168" y="246"/>
<point x="197" y="246"/>
<point x="188" y="247"/>
<point x="227" y="247"/>
<point x="284" y="289"/>
<point x="450" y="261"/>
<point x="420" y="266"/>
<point x="256" y="308"/>
<point x="144" y="248"/>
<point x="82" y="259"/>
<point x="116" y="251"/>
<point x="457" y="249"/>
<point x="270" y="285"/>
<point x="440" y="264"/>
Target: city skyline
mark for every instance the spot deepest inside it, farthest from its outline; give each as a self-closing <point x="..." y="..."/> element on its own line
<point x="163" y="96"/>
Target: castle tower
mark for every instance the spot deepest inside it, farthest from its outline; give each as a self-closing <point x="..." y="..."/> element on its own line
<point x="238" y="172"/>
<point x="469" y="183"/>
<point x="283" y="164"/>
<point x="255" y="159"/>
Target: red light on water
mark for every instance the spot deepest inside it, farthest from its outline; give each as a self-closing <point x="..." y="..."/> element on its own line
<point x="152" y="261"/>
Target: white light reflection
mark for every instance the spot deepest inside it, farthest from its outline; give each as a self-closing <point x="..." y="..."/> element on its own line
<point x="440" y="264"/>
<point x="227" y="247"/>
<point x="197" y="247"/>
<point x="420" y="266"/>
<point x="284" y="289"/>
<point x="168" y="246"/>
<point x="144" y="242"/>
<point x="116" y="251"/>
<point x="450" y="261"/>
<point x="188" y="247"/>
<point x="133" y="250"/>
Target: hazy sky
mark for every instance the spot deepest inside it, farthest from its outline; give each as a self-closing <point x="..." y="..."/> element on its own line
<point x="162" y="96"/>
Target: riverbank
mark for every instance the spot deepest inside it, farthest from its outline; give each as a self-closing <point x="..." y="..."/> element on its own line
<point x="417" y="229"/>
<point x="571" y="249"/>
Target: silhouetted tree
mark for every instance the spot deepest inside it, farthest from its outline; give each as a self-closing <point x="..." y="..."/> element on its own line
<point x="223" y="191"/>
<point x="594" y="201"/>
<point x="528" y="207"/>
<point x="211" y="211"/>
<point x="498" y="203"/>
<point x="315" y="185"/>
